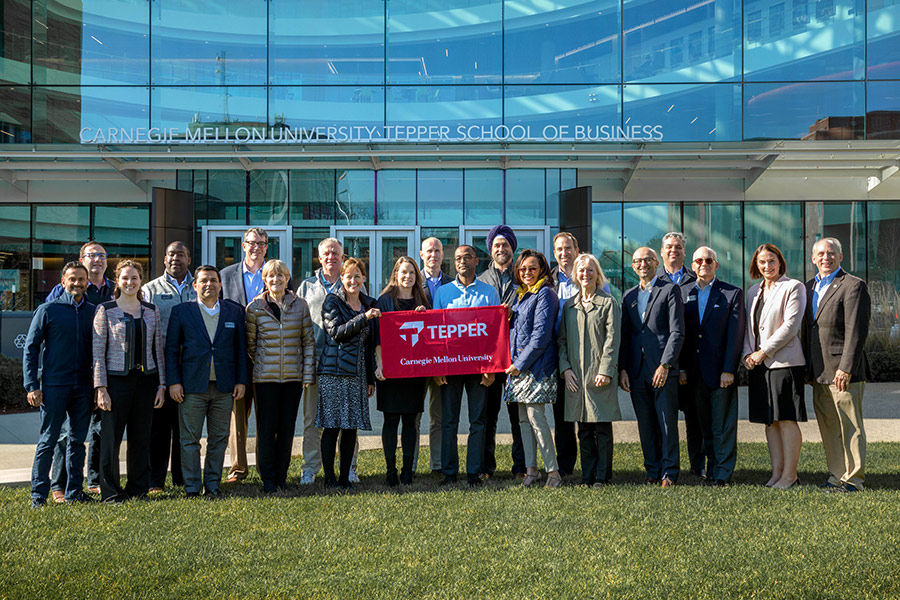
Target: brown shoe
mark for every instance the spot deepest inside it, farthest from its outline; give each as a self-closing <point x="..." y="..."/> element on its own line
<point x="667" y="483"/>
<point x="155" y="490"/>
<point x="651" y="481"/>
<point x="59" y="496"/>
<point x="94" y="490"/>
<point x="520" y="475"/>
<point x="233" y="479"/>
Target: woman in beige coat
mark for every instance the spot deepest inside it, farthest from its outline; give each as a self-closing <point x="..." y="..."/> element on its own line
<point x="588" y="360"/>
<point x="282" y="346"/>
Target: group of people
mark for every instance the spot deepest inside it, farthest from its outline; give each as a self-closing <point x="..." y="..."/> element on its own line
<point x="164" y="358"/>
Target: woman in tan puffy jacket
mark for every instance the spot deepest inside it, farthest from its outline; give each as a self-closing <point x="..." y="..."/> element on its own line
<point x="282" y="346"/>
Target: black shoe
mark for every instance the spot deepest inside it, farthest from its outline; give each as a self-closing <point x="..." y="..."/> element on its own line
<point x="406" y="477"/>
<point x="38" y="503"/>
<point x="79" y="497"/>
<point x="847" y="488"/>
<point x="448" y="480"/>
<point x="828" y="487"/>
<point x="345" y="484"/>
<point x="701" y="473"/>
<point x="192" y="494"/>
<point x="474" y="480"/>
<point x="212" y="494"/>
<point x="720" y="483"/>
<point x="331" y="482"/>
<point x="392" y="480"/>
<point x="118" y="499"/>
<point x="437" y="472"/>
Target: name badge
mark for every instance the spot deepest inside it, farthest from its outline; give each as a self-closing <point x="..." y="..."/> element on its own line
<point x="166" y="296"/>
<point x="692" y="298"/>
<point x="229" y="325"/>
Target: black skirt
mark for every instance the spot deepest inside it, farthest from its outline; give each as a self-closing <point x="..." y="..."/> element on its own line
<point x="777" y="395"/>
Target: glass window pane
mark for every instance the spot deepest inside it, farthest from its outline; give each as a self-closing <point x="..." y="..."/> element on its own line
<point x="15" y="115"/>
<point x="15" y="258"/>
<point x="645" y="224"/>
<point x="483" y="197"/>
<point x="72" y="115"/>
<point x="311" y="42"/>
<point x="883" y="36"/>
<point x="444" y="106"/>
<point x="15" y="42"/>
<point x="396" y="196"/>
<point x="552" y="181"/>
<point x="93" y="42"/>
<point x="359" y="246"/>
<point x="209" y="42"/>
<point x="440" y="197"/>
<point x="268" y="197"/>
<point x="683" y="113"/>
<point x="824" y="38"/>
<point x="844" y="221"/>
<point x="305" y="257"/>
<point x="124" y="232"/>
<point x="884" y="273"/>
<point x="526" y="197"/>
<point x="449" y="237"/>
<point x="717" y="225"/>
<point x="567" y="41"/>
<point x="807" y="111"/>
<point x="226" y="108"/>
<point x="606" y="239"/>
<point x="544" y="110"/>
<point x="353" y="108"/>
<point x="355" y="197"/>
<point x="682" y="41"/>
<point x="453" y="41"/>
<point x="226" y="196"/>
<point x="883" y="110"/>
<point x="778" y="223"/>
<point x="312" y="198"/>
<point x="59" y="232"/>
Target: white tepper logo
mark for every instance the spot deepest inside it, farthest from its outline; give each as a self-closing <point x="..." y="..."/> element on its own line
<point x="417" y="326"/>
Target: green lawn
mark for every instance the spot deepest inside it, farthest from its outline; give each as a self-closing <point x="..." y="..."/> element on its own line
<point x="623" y="541"/>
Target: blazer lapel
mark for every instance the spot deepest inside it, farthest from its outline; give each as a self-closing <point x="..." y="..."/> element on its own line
<point x="828" y="295"/>
<point x="198" y="319"/>
<point x="654" y="292"/>
<point x="714" y="295"/>
<point x="220" y="325"/>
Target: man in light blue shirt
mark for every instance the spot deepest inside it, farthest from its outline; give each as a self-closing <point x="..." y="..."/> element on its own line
<point x="464" y="292"/>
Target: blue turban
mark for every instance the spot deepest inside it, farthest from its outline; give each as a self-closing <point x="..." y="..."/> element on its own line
<point x="504" y="231"/>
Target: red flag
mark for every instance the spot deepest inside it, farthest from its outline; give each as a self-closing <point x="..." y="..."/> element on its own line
<point x="451" y="341"/>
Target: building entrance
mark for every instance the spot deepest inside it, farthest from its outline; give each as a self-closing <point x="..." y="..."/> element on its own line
<point x="221" y="244"/>
<point x="379" y="248"/>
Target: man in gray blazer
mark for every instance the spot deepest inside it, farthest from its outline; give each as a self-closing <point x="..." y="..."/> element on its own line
<point x="652" y="336"/>
<point x="835" y="328"/>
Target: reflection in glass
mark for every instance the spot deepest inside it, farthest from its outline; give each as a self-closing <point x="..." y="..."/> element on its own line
<point x="125" y="233"/>
<point x="526" y="196"/>
<point x="226" y="193"/>
<point x="606" y="231"/>
<point x="884" y="273"/>
<point x="778" y="223"/>
<point x="807" y="111"/>
<point x="645" y="224"/>
<point x="226" y="108"/>
<point x="15" y="115"/>
<point x="312" y="197"/>
<point x="358" y="246"/>
<point x="440" y="197"/>
<point x="392" y="248"/>
<point x="825" y="39"/>
<point x="883" y="36"/>
<point x="883" y="110"/>
<point x="268" y="197"/>
<point x="312" y="42"/>
<point x="59" y="232"/>
<point x="453" y="41"/>
<point x="72" y="115"/>
<point x="396" y="194"/>
<point x="355" y="197"/>
<point x="682" y="41"/>
<point x="15" y="257"/>
<point x="685" y="113"/>
<point x="305" y="253"/>
<point x="15" y="42"/>
<point x="91" y="42"/>
<point x="583" y="109"/>
<point x="844" y="221"/>
<point x="324" y="106"/>
<point x="483" y="197"/>
<point x="568" y="41"/>
<point x="445" y="105"/>
<point x="717" y="225"/>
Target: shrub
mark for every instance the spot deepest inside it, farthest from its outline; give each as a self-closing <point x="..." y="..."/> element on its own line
<point x="12" y="392"/>
<point x="885" y="365"/>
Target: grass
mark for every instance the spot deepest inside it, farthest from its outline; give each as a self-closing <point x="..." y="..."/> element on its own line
<point x="502" y="541"/>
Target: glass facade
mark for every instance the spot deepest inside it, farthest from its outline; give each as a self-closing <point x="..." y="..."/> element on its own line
<point x="718" y="70"/>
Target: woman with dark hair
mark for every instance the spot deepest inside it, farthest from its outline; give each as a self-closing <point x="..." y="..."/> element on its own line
<point x="346" y="370"/>
<point x="533" y="373"/>
<point x="774" y="356"/>
<point x="130" y="380"/>
<point x="400" y="399"/>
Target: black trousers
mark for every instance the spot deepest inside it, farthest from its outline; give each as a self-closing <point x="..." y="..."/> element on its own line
<point x="329" y="448"/>
<point x="276" y="417"/>
<point x="492" y="403"/>
<point x="408" y="438"/>
<point x="165" y="442"/>
<point x="566" y="444"/>
<point x="132" y="410"/>
<point x="596" y="452"/>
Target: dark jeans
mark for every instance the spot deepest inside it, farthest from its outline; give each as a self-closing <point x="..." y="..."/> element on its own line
<point x="165" y="442"/>
<point x="58" y="472"/>
<point x="276" y="417"/>
<point x="656" y="410"/>
<point x="409" y="438"/>
<point x="132" y="409"/>
<point x="717" y="413"/>
<point x="596" y="452"/>
<point x="329" y="448"/>
<point x="566" y="444"/>
<point x="493" y="401"/>
<point x="697" y="443"/>
<point x="451" y="403"/>
<point x="60" y="401"/>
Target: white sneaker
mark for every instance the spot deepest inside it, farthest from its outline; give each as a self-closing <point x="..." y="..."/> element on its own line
<point x="353" y="477"/>
<point x="307" y="478"/>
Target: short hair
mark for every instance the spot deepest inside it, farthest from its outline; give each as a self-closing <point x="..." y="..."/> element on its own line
<point x="258" y="231"/>
<point x="353" y="263"/>
<point x="715" y="256"/>
<point x="202" y="268"/>
<point x="73" y="264"/>
<point x="393" y="286"/>
<point x="90" y="243"/>
<point x="831" y="240"/>
<point x="677" y="235"/>
<point x="277" y="266"/>
<point x="432" y="239"/>
<point x="588" y="258"/>
<point x="179" y="243"/>
<point x="128" y="264"/>
<point x="566" y="235"/>
<point x="542" y="261"/>
<point x="755" y="273"/>
<point x="469" y="246"/>
<point x="329" y="240"/>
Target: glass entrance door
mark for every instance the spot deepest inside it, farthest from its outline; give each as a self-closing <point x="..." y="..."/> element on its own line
<point x="537" y="237"/>
<point x="378" y="248"/>
<point x="222" y="244"/>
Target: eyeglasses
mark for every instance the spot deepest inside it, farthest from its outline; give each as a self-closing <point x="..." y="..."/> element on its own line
<point x="637" y="261"/>
<point x="257" y="244"/>
<point x="93" y="255"/>
<point x="706" y="260"/>
<point x="463" y="257"/>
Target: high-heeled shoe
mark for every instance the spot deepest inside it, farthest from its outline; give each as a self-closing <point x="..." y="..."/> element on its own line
<point x="553" y="481"/>
<point x="531" y="480"/>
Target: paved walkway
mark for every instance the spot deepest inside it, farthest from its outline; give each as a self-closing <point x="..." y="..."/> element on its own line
<point x="881" y="410"/>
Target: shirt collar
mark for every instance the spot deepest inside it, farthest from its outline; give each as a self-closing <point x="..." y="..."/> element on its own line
<point x="437" y="277"/>
<point x="174" y="281"/>
<point x="210" y="311"/>
<point x="828" y="278"/>
<point x="562" y="277"/>
<point x="462" y="286"/>
<point x="697" y="285"/>
<point x="649" y="285"/>
<point x="246" y="270"/>
<point x="681" y="270"/>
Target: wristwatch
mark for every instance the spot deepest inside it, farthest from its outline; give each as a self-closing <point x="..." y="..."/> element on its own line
<point x="666" y="366"/>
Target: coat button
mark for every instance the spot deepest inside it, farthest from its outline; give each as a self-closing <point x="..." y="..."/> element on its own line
<point x="700" y="336"/>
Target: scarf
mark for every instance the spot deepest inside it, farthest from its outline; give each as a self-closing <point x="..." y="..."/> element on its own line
<point x="522" y="290"/>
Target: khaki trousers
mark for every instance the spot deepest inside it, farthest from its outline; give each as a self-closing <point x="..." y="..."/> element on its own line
<point x="840" y="419"/>
<point x="312" y="435"/>
<point x="237" y="440"/>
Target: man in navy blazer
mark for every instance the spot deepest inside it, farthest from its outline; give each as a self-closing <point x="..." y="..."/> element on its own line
<point x="715" y="319"/>
<point x="652" y="335"/>
<point x="206" y="350"/>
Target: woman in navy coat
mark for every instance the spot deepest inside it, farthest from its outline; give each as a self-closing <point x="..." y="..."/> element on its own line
<point x="533" y="374"/>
